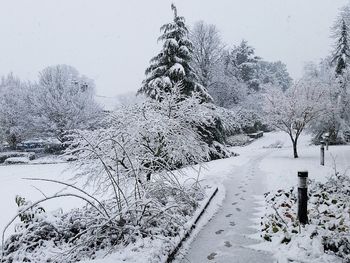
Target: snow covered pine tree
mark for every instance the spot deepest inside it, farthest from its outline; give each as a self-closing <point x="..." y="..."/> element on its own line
<point x="172" y="64"/>
<point x="342" y="49"/>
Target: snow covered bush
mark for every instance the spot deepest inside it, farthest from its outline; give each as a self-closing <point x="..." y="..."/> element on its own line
<point x="327" y="234"/>
<point x="99" y="228"/>
<point x="133" y="162"/>
<point x="17" y="160"/>
<point x="6" y="155"/>
<point x="156" y="135"/>
<point x="238" y="140"/>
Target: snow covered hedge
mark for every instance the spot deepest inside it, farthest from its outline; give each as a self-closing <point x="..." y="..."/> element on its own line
<point x="326" y="237"/>
<point x="7" y="155"/>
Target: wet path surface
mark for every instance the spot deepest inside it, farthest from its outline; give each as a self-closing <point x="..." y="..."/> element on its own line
<point x="226" y="236"/>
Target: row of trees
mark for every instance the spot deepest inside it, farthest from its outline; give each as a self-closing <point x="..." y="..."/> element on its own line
<point x="232" y="74"/>
<point x="319" y="101"/>
<point x="233" y="78"/>
<point x="59" y="101"/>
<point x="334" y="73"/>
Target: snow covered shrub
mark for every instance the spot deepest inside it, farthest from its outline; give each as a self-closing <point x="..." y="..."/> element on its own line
<point x="326" y="235"/>
<point x="154" y="135"/>
<point x="17" y="160"/>
<point x="238" y="140"/>
<point x="6" y="155"/>
<point x="99" y="227"/>
<point x="277" y="144"/>
<point x="132" y="162"/>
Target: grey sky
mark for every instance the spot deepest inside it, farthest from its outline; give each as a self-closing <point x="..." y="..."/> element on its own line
<point x="112" y="41"/>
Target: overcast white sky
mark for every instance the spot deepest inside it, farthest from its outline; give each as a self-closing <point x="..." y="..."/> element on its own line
<point x="112" y="41"/>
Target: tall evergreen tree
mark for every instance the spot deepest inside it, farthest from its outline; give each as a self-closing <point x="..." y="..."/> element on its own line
<point x="172" y="64"/>
<point x="241" y="62"/>
<point x="342" y="50"/>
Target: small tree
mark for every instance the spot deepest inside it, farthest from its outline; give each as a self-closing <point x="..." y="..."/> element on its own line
<point x="293" y="110"/>
<point x="172" y="64"/>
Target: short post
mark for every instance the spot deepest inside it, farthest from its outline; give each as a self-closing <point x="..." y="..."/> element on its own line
<point x="322" y="154"/>
<point x="327" y="140"/>
<point x="302" y="197"/>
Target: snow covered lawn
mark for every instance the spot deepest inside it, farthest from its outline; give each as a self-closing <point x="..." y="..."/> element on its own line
<point x="281" y="168"/>
<point x="12" y="184"/>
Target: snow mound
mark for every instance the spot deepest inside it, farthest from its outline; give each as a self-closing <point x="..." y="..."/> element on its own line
<point x="17" y="160"/>
<point x="6" y="155"/>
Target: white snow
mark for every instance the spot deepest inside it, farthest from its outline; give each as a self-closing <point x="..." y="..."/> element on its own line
<point x="258" y="168"/>
<point x="12" y="184"/>
<point x="17" y="160"/>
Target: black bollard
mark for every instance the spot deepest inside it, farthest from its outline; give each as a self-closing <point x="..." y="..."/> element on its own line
<point x="322" y="154"/>
<point x="302" y="197"/>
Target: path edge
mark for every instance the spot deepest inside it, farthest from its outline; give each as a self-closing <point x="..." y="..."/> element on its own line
<point x="172" y="254"/>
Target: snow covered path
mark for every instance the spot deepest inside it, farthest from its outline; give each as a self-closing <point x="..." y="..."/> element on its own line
<point x="225" y="237"/>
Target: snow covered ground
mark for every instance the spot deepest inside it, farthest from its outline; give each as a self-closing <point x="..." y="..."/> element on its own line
<point x="12" y="184"/>
<point x="227" y="237"/>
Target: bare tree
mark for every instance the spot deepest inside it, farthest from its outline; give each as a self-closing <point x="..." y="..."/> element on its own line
<point x="207" y="52"/>
<point x="293" y="110"/>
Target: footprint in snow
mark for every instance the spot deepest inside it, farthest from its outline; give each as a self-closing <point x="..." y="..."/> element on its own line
<point x="240" y="187"/>
<point x="228" y="244"/>
<point x="228" y="215"/>
<point x="234" y="203"/>
<point x="219" y="232"/>
<point x="237" y="194"/>
<point x="211" y="256"/>
<point x="238" y="209"/>
<point x="242" y="198"/>
<point x="244" y="191"/>
<point x="232" y="223"/>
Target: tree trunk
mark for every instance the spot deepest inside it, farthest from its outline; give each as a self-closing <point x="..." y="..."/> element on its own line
<point x="295" y="151"/>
